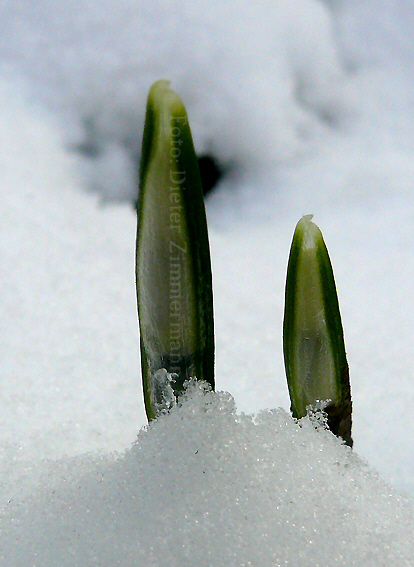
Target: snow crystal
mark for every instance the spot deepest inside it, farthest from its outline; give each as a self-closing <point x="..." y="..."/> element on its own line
<point x="161" y="391"/>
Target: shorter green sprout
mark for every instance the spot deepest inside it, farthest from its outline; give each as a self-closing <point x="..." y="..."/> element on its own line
<point x="173" y="272"/>
<point x="313" y="340"/>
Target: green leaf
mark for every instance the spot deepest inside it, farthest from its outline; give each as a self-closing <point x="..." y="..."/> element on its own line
<point x="313" y="340"/>
<point x="174" y="284"/>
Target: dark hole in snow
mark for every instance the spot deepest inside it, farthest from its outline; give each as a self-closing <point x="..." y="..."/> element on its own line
<point x="211" y="172"/>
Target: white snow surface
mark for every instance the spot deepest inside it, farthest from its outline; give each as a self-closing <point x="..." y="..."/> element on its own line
<point x="309" y="105"/>
<point x="205" y="486"/>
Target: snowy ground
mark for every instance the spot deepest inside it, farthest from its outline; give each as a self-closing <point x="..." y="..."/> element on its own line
<point x="309" y="105"/>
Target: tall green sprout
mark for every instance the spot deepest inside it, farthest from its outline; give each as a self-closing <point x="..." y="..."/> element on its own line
<point x="313" y="340"/>
<point x="173" y="272"/>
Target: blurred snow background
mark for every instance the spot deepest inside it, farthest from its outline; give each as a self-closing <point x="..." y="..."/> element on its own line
<point x="308" y="107"/>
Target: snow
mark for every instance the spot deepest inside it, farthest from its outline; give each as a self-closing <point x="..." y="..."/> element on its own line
<point x="206" y="486"/>
<point x="65" y="263"/>
<point x="93" y="63"/>
<point x="309" y="105"/>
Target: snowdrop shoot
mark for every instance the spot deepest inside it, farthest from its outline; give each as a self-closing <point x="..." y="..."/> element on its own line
<point x="173" y="272"/>
<point x="313" y="341"/>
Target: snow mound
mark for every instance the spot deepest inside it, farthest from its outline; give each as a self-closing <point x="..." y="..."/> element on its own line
<point x="207" y="486"/>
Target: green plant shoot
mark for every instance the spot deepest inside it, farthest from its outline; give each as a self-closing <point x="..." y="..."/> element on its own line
<point x="313" y="341"/>
<point x="173" y="272"/>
